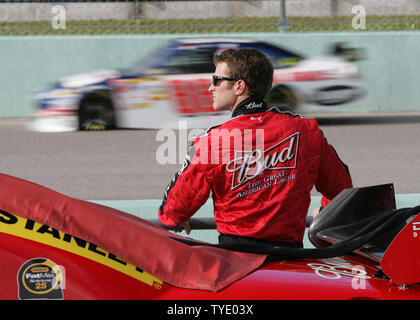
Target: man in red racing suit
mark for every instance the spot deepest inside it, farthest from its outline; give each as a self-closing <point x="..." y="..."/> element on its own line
<point x="259" y="168"/>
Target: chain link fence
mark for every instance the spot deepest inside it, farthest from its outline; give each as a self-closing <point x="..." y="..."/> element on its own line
<point x="38" y="17"/>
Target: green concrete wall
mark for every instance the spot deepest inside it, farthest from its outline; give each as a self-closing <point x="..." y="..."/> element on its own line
<point x="29" y="63"/>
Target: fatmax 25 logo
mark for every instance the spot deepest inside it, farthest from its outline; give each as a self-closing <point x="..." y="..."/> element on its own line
<point x="249" y="164"/>
<point x="40" y="278"/>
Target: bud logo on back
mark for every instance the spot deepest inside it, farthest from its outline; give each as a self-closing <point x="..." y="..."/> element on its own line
<point x="249" y="164"/>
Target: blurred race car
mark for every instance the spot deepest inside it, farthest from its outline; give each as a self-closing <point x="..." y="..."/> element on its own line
<point x="173" y="83"/>
<point x="56" y="247"/>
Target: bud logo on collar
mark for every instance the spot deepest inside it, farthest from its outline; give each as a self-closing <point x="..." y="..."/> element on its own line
<point x="249" y="164"/>
<point x="253" y="105"/>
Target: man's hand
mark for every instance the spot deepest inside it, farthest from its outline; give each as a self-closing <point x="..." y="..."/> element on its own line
<point x="315" y="212"/>
<point x="183" y="226"/>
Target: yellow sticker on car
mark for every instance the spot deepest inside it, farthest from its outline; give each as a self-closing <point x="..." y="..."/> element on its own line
<point x="31" y="230"/>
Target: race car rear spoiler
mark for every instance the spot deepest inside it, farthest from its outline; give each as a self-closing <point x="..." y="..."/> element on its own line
<point x="401" y="260"/>
<point x="360" y="211"/>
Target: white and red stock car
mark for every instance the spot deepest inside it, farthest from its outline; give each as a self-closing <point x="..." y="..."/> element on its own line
<point x="173" y="84"/>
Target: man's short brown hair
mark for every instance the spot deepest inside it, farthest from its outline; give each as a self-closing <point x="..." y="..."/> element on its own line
<point x="250" y="65"/>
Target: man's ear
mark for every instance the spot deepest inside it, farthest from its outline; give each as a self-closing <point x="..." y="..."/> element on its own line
<point x="241" y="87"/>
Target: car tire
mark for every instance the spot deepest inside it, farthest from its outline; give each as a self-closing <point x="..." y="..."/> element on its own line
<point x="96" y="113"/>
<point x="283" y="98"/>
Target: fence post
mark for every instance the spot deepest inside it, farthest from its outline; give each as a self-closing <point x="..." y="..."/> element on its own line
<point x="334" y="7"/>
<point x="283" y="23"/>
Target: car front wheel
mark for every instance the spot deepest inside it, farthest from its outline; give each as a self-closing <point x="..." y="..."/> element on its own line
<point x="96" y="113"/>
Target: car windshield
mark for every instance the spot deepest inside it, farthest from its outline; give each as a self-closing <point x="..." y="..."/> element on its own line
<point x="176" y="59"/>
<point x="150" y="62"/>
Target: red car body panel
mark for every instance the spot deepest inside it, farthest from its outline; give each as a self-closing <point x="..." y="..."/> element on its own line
<point x="40" y="261"/>
<point x="82" y="278"/>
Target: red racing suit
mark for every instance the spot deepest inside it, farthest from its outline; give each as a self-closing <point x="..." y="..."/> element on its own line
<point x="259" y="168"/>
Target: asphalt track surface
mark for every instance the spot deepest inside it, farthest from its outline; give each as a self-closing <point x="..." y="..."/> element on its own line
<point x="122" y="165"/>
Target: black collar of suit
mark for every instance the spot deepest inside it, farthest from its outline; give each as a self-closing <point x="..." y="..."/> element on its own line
<point x="250" y="105"/>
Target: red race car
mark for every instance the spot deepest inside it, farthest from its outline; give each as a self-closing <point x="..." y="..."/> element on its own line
<point x="56" y="247"/>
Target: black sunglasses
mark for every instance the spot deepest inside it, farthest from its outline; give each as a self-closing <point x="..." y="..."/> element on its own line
<point x="216" y="80"/>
